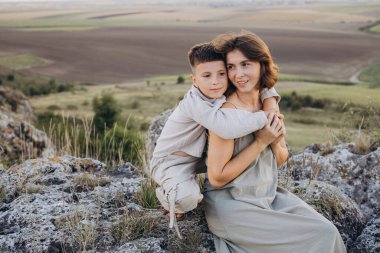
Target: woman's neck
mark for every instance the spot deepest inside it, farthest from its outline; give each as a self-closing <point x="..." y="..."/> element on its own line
<point x="249" y="100"/>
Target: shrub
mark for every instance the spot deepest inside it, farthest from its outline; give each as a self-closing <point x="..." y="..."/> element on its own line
<point x="134" y="105"/>
<point x="318" y="103"/>
<point x="180" y="79"/>
<point x="72" y="107"/>
<point x="296" y="102"/>
<point x="106" y="110"/>
<point x="53" y="108"/>
<point x="10" y="77"/>
<point x="296" y="105"/>
<point x="307" y="101"/>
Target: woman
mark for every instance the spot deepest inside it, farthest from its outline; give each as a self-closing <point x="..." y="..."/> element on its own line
<point x="245" y="208"/>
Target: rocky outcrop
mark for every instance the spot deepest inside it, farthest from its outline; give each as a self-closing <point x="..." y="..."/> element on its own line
<point x="329" y="201"/>
<point x="154" y="131"/>
<point x="20" y="140"/>
<point x="16" y="104"/>
<point x="369" y="240"/>
<point x="357" y="175"/>
<point x="68" y="204"/>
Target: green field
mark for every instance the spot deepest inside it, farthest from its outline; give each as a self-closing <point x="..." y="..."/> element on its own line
<point x="141" y="101"/>
<point x="62" y="24"/>
<point x="371" y="75"/>
<point x="23" y="61"/>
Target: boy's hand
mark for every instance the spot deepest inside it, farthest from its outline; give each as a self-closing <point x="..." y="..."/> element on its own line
<point x="283" y="131"/>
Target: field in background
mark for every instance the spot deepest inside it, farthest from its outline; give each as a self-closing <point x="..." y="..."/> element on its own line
<point x="141" y="101"/>
<point x="137" y="52"/>
<point x="116" y="43"/>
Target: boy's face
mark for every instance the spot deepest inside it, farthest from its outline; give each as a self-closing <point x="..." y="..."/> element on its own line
<point x="210" y="78"/>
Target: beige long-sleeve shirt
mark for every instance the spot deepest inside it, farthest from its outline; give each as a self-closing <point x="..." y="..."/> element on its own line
<point x="185" y="129"/>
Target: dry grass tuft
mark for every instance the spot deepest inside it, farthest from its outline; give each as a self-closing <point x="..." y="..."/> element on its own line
<point x="87" y="181"/>
<point x="328" y="148"/>
<point x="3" y="194"/>
<point x="362" y="143"/>
<point x="146" y="197"/>
<point x="132" y="226"/>
<point x="190" y="243"/>
<point x="81" y="229"/>
<point x="32" y="188"/>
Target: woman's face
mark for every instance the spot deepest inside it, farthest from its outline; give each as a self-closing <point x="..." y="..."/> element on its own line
<point x="243" y="73"/>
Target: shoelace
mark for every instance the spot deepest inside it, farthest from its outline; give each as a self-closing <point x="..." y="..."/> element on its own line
<point x="171" y="197"/>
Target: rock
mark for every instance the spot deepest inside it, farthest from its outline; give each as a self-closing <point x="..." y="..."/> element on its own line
<point x="68" y="204"/>
<point x="20" y="140"/>
<point x="16" y="104"/>
<point x="334" y="205"/>
<point x="155" y="130"/>
<point x="369" y="240"/>
<point x="357" y="175"/>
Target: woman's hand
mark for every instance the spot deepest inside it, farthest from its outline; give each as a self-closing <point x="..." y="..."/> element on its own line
<point x="271" y="131"/>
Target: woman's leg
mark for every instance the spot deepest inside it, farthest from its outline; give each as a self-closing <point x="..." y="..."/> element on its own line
<point x="294" y="228"/>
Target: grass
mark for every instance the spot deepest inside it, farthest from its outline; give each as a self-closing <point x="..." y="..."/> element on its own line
<point x="79" y="138"/>
<point x="359" y="94"/>
<point x="294" y="78"/>
<point x="348" y="8"/>
<point x="87" y="181"/>
<point x="3" y="194"/>
<point x="141" y="101"/>
<point x="82" y="230"/>
<point x="372" y="27"/>
<point x="376" y="28"/>
<point x="371" y="75"/>
<point x="23" y="61"/>
<point x="132" y="226"/>
<point x="190" y="242"/>
<point x="62" y="24"/>
<point x="146" y="197"/>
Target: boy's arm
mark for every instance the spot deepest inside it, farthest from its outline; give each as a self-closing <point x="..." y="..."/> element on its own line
<point x="225" y="122"/>
<point x="270" y="105"/>
<point x="270" y="99"/>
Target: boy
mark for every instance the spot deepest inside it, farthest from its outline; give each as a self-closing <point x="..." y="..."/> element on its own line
<point x="182" y="141"/>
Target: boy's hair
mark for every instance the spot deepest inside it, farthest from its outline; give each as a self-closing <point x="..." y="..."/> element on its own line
<point x="203" y="52"/>
<point x="254" y="48"/>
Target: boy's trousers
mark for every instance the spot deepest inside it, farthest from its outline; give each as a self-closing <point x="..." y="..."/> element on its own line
<point x="179" y="190"/>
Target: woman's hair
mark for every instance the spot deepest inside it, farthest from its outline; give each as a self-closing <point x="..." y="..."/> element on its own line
<point x="255" y="49"/>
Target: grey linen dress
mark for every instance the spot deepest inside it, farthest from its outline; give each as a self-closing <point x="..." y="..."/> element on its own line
<point x="252" y="214"/>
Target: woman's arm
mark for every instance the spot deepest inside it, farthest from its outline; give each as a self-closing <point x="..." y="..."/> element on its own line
<point x="279" y="148"/>
<point x="221" y="168"/>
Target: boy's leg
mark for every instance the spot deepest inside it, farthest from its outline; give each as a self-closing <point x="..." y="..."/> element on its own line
<point x="181" y="197"/>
